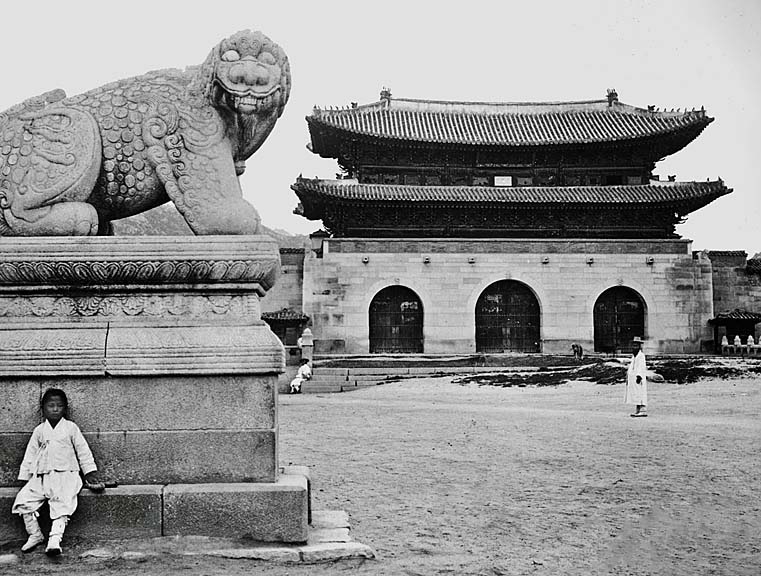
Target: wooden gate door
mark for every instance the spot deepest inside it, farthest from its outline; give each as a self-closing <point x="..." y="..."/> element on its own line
<point x="619" y="316"/>
<point x="507" y="319"/>
<point x="396" y="322"/>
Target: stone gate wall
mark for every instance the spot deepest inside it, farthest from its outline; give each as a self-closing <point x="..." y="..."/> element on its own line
<point x="566" y="276"/>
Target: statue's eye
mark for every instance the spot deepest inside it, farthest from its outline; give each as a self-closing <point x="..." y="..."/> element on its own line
<point x="230" y="56"/>
<point x="267" y="58"/>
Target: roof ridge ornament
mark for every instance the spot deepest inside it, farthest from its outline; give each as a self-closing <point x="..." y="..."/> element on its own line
<point x="612" y="96"/>
<point x="385" y="94"/>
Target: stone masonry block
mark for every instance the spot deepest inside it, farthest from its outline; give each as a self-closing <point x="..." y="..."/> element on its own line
<point x="125" y="512"/>
<point x="145" y="403"/>
<point x="12" y="446"/>
<point x="266" y="512"/>
<point x="163" y="457"/>
<point x="161" y="403"/>
<point x="11" y="525"/>
<point x="20" y="407"/>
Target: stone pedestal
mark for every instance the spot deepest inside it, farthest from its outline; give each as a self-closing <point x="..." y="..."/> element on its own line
<point x="170" y="372"/>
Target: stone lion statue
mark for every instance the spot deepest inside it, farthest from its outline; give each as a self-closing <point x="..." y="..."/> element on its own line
<point x="69" y="166"/>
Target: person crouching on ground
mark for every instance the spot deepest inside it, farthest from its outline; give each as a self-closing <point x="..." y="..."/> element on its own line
<point x="304" y="373"/>
<point x="56" y="453"/>
<point x="636" y="379"/>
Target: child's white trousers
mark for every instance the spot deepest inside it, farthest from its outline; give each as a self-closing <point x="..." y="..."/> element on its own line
<point x="60" y="489"/>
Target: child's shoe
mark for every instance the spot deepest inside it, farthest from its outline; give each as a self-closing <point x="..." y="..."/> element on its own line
<point x="56" y="533"/>
<point x="33" y="529"/>
<point x="32" y="542"/>
<point x="54" y="545"/>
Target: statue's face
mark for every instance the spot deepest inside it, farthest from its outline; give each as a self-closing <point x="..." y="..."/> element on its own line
<point x="252" y="74"/>
<point x="252" y="79"/>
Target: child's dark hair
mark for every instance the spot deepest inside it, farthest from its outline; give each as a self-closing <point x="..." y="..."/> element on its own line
<point x="52" y="393"/>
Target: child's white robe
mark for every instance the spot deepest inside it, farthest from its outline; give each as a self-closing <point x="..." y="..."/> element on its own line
<point x="51" y="465"/>
<point x="304" y="373"/>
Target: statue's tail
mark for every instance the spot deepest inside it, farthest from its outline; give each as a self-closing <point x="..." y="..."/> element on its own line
<point x="32" y="104"/>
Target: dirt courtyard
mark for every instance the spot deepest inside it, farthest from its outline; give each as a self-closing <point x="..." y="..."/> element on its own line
<point x="448" y="478"/>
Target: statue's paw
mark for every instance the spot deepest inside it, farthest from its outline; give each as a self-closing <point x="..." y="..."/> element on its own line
<point x="62" y="219"/>
<point x="235" y="217"/>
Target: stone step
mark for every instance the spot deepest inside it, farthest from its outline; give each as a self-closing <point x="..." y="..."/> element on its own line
<point x="332" y="371"/>
<point x="347" y="379"/>
<point x="312" y="387"/>
<point x="265" y="511"/>
<point x="375" y="377"/>
<point x="362" y="384"/>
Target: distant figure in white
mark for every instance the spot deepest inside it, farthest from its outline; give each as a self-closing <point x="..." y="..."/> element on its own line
<point x="304" y="373"/>
<point x="636" y="380"/>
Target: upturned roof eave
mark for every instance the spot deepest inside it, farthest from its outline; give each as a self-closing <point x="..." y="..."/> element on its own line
<point x="715" y="188"/>
<point x="321" y="128"/>
<point x="313" y="200"/>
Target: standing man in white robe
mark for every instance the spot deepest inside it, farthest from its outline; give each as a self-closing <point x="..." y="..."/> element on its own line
<point x="636" y="380"/>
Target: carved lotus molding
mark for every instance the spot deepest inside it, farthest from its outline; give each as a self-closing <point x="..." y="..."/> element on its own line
<point x="139" y="261"/>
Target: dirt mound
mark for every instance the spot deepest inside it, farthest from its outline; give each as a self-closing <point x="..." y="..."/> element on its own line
<point x="674" y="370"/>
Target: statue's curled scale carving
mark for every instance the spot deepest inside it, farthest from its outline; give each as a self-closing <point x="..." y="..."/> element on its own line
<point x="69" y="166"/>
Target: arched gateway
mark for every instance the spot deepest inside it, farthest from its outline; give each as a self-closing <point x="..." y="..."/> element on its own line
<point x="619" y="316"/>
<point x="396" y="321"/>
<point x="507" y="318"/>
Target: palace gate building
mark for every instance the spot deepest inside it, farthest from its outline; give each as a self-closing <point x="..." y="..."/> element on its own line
<point x="460" y="227"/>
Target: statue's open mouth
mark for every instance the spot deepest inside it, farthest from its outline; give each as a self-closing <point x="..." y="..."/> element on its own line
<point x="251" y="102"/>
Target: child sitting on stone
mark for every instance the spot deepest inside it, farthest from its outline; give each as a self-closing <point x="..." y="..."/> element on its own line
<point x="56" y="453"/>
<point x="304" y="373"/>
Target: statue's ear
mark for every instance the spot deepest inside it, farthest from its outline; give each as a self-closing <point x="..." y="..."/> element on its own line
<point x="285" y="85"/>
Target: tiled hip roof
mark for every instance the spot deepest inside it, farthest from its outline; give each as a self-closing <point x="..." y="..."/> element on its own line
<point x="341" y="191"/>
<point x="285" y="315"/>
<point x="727" y="253"/>
<point x="514" y="127"/>
<point x="736" y="314"/>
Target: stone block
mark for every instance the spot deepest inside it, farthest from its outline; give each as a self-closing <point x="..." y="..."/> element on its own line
<point x="125" y="512"/>
<point x="320" y="535"/>
<point x="12" y="447"/>
<point x="55" y="350"/>
<point x="267" y="553"/>
<point x="20" y="408"/>
<point x="334" y="551"/>
<point x="266" y="512"/>
<point x="297" y="470"/>
<point x="141" y="350"/>
<point x="11" y="525"/>
<point x="224" y="402"/>
<point x="145" y="403"/>
<point x="330" y="519"/>
<point x="164" y="457"/>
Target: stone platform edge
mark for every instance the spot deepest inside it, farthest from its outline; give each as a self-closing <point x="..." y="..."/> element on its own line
<point x="329" y="540"/>
<point x="262" y="511"/>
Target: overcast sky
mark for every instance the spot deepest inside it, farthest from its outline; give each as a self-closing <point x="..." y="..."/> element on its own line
<point x="671" y="54"/>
